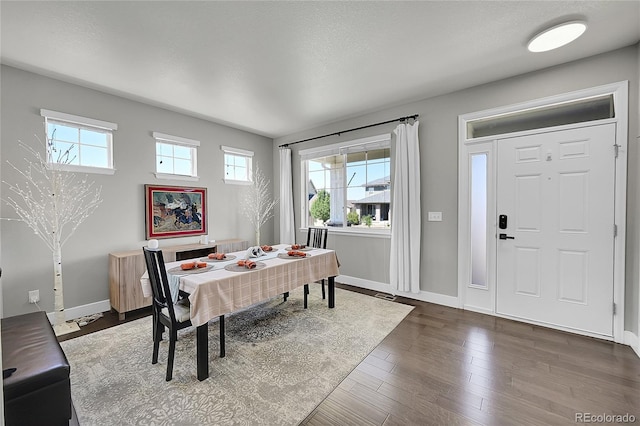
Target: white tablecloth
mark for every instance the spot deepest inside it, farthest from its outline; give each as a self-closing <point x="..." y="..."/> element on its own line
<point x="218" y="291"/>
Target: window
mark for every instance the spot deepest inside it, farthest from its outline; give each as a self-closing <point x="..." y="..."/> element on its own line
<point x="599" y="107"/>
<point x="79" y="143"/>
<point x="479" y="220"/>
<point x="348" y="185"/>
<point x="176" y="157"/>
<point x="238" y="165"/>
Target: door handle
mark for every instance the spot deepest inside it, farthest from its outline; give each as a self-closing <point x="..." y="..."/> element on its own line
<point x="506" y="237"/>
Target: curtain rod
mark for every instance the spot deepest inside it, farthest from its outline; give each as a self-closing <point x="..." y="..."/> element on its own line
<point x="408" y="117"/>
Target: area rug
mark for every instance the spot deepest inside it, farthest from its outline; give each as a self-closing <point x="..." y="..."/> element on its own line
<point x="281" y="362"/>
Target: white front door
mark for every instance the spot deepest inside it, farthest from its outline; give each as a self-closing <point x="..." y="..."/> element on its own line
<point x="556" y="191"/>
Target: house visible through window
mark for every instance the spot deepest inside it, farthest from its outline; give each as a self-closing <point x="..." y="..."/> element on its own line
<point x="79" y="143"/>
<point x="176" y="156"/>
<point x="348" y="184"/>
<point x="238" y="165"/>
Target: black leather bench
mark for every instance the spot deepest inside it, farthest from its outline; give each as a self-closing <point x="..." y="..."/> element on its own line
<point x="38" y="392"/>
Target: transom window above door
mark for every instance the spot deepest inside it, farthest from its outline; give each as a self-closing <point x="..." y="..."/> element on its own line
<point x="582" y="110"/>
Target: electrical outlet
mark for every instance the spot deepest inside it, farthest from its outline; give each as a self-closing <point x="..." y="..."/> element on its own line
<point x="435" y="217"/>
<point x="34" y="296"/>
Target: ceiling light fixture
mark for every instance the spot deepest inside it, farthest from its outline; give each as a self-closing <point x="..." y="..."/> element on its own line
<point x="557" y="36"/>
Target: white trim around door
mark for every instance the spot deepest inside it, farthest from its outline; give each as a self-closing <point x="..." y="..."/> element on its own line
<point x="477" y="273"/>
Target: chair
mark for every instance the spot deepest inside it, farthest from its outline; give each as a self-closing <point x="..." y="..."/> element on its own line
<point x="174" y="316"/>
<point x="317" y="238"/>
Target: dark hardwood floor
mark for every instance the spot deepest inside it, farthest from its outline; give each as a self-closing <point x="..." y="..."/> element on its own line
<point x="445" y="366"/>
<point x="109" y="319"/>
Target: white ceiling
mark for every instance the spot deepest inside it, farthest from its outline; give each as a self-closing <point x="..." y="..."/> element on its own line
<point x="275" y="68"/>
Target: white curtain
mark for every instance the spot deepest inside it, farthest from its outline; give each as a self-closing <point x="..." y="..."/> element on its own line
<point x="287" y="225"/>
<point x="404" y="268"/>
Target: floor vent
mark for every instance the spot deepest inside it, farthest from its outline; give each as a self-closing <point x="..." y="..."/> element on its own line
<point x="388" y="297"/>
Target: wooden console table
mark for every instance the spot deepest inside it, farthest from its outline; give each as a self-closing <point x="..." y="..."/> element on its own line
<point x="126" y="268"/>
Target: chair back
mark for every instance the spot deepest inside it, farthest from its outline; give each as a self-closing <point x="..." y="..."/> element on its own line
<point x="159" y="282"/>
<point x="317" y="237"/>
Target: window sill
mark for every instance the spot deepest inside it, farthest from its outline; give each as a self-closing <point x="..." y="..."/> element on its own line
<point x="237" y="182"/>
<point x="168" y="176"/>
<point x="355" y="232"/>
<point x="81" y="169"/>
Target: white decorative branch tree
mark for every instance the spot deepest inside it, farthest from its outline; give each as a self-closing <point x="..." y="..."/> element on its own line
<point x="257" y="203"/>
<point x="53" y="203"/>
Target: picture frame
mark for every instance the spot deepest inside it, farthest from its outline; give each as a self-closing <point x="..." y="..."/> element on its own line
<point x="175" y="211"/>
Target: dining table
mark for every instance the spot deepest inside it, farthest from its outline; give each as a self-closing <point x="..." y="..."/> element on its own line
<point x="224" y="287"/>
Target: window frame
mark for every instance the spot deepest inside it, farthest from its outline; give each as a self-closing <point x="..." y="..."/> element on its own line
<point x="382" y="141"/>
<point x="81" y="123"/>
<point x="241" y="153"/>
<point x="192" y="144"/>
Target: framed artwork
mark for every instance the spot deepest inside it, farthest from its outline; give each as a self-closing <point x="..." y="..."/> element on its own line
<point x="175" y="211"/>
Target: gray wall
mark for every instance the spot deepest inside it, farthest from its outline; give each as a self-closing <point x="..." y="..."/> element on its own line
<point x="119" y="223"/>
<point x="368" y="258"/>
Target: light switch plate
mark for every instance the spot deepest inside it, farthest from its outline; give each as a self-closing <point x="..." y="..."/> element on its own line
<point x="435" y="216"/>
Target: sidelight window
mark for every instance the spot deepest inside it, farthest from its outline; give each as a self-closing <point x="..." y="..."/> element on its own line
<point x="479" y="220"/>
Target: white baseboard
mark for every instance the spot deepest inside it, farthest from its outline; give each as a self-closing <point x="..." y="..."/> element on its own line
<point x="632" y="340"/>
<point x="82" y="311"/>
<point x="440" y="299"/>
<point x="425" y="296"/>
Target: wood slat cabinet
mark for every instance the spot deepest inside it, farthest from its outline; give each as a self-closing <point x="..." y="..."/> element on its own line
<point x="126" y="268"/>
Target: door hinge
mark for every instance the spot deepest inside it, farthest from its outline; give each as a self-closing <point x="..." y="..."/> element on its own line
<point x="614" y="309"/>
<point x="616" y="148"/>
<point x="615" y="230"/>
